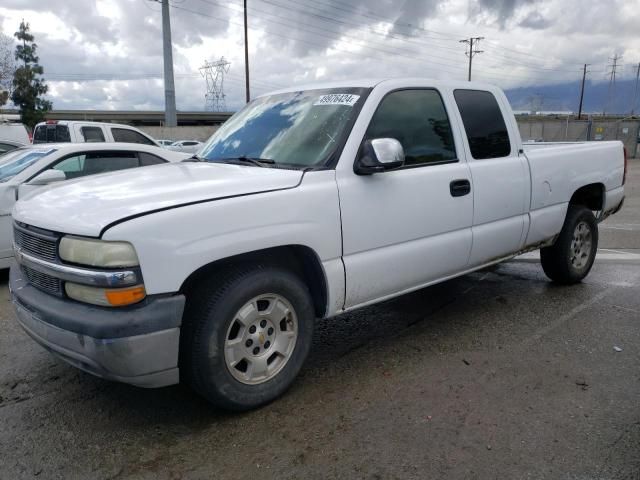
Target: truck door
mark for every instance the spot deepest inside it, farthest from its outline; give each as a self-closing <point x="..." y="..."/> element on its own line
<point x="500" y="177"/>
<point x="407" y="227"/>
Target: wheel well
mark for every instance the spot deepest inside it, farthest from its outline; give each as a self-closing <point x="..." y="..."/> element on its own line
<point x="591" y="196"/>
<point x="301" y="260"/>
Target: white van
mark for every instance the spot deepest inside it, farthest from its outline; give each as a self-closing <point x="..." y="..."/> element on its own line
<point x="59" y="131"/>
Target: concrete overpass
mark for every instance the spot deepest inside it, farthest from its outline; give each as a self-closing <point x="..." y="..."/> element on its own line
<point x="151" y="118"/>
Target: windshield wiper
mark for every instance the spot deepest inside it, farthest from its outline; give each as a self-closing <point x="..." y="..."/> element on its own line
<point x="258" y="162"/>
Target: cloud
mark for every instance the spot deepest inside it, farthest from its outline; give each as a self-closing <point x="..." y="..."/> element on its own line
<point x="535" y="21"/>
<point x="108" y="53"/>
<point x="499" y="10"/>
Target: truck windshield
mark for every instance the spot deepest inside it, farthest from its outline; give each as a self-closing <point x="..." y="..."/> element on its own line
<point x="295" y="129"/>
<point x="16" y="161"/>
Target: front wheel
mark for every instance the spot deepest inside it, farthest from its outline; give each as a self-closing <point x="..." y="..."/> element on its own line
<point x="571" y="257"/>
<point x="246" y="334"/>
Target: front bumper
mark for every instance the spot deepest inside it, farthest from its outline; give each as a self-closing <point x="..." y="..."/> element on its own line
<point x="136" y="345"/>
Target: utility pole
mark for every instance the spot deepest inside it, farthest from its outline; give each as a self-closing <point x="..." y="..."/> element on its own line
<point x="584" y="76"/>
<point x="246" y="54"/>
<point x="612" y="79"/>
<point x="170" y="119"/>
<point x="635" y="93"/>
<point x="472" y="52"/>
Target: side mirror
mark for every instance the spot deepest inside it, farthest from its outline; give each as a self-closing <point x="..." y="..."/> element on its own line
<point x="379" y="155"/>
<point x="47" y="177"/>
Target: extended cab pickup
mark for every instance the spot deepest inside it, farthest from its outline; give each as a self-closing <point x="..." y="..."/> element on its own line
<point x="306" y="203"/>
<point x="61" y="131"/>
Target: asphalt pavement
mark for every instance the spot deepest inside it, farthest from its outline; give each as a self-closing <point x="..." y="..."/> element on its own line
<point x="497" y="374"/>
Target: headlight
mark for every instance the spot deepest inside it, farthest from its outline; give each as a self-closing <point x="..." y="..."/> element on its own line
<point x="98" y="253"/>
<point x="105" y="297"/>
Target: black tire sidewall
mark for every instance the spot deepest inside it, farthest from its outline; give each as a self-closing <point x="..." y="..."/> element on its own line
<point x="211" y="374"/>
<point x="575" y="216"/>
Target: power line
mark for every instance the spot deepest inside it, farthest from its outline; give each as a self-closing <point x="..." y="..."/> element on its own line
<point x="394" y="54"/>
<point x="472" y="51"/>
<point x="297" y="23"/>
<point x="448" y="37"/>
<point x="368" y="46"/>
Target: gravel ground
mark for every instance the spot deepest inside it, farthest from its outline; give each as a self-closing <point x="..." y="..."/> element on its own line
<point x="498" y="374"/>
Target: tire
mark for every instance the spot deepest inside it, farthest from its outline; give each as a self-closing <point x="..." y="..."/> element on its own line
<point x="571" y="257"/>
<point x="219" y="322"/>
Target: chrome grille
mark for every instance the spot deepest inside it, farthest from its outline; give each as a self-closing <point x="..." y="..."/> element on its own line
<point x="40" y="245"/>
<point x="43" y="281"/>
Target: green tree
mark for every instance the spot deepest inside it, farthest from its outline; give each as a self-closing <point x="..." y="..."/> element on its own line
<point x="28" y="87"/>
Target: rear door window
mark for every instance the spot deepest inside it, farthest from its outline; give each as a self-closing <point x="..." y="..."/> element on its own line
<point x="129" y="136"/>
<point x="91" y="163"/>
<point x="92" y="134"/>
<point x="484" y="124"/>
<point x="147" y="159"/>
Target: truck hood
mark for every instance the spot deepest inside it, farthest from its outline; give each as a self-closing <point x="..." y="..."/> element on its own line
<point x="87" y="206"/>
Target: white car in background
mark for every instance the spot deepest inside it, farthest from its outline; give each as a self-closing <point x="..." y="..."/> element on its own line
<point x="188" y="146"/>
<point x="8" y="145"/>
<point x="164" y="143"/>
<point x="24" y="170"/>
<point x="61" y="131"/>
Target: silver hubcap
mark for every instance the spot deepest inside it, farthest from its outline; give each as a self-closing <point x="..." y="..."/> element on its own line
<point x="581" y="245"/>
<point x="261" y="339"/>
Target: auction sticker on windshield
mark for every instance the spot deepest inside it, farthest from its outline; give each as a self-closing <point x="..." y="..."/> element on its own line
<point x="337" y="99"/>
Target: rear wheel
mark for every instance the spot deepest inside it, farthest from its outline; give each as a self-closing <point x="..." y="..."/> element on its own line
<point x="571" y="257"/>
<point x="246" y="336"/>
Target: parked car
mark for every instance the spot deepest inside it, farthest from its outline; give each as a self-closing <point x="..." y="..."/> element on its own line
<point x="14" y="132"/>
<point x="307" y="203"/>
<point x="8" y="145"/>
<point x="25" y="170"/>
<point x="164" y="143"/>
<point x="189" y="146"/>
<point x="59" y="131"/>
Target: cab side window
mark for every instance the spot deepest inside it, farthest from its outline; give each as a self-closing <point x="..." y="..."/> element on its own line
<point x="483" y="121"/>
<point x="92" y="134"/>
<point x="129" y="136"/>
<point x="419" y="121"/>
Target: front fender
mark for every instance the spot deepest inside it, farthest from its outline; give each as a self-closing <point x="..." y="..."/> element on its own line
<point x="174" y="243"/>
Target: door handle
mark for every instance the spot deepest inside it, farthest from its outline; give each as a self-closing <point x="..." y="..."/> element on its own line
<point x="460" y="188"/>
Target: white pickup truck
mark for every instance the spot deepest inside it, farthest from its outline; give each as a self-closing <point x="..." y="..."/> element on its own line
<point x="307" y="203"/>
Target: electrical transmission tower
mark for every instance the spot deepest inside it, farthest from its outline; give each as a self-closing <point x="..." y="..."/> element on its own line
<point x="213" y="73"/>
<point x="614" y="65"/>
<point x="473" y="43"/>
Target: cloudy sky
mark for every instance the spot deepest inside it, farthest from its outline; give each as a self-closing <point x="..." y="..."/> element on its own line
<point x="107" y="54"/>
